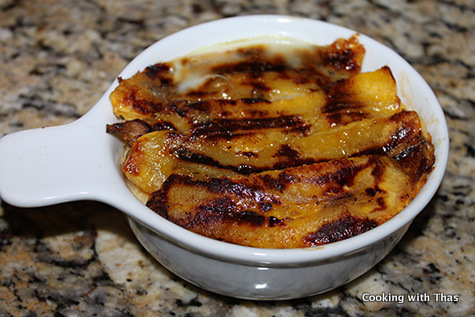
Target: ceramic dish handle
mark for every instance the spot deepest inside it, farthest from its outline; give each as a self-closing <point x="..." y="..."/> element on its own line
<point x="57" y="164"/>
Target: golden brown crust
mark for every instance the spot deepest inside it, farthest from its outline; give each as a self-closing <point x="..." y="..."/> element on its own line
<point x="264" y="150"/>
<point x="250" y="72"/>
<point x="296" y="207"/>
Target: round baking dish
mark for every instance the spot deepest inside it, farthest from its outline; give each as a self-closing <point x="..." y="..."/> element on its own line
<point x="80" y="161"/>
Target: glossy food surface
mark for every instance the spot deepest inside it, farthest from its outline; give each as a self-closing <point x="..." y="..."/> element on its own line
<point x="278" y="145"/>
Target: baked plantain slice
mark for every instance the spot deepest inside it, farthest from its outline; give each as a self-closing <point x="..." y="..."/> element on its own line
<point x="155" y="155"/>
<point x="253" y="72"/>
<point x="366" y="95"/>
<point x="277" y="149"/>
<point x="151" y="160"/>
<point x="297" y="207"/>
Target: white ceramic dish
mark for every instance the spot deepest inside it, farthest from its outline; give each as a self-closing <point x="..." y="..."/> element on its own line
<point x="80" y="161"/>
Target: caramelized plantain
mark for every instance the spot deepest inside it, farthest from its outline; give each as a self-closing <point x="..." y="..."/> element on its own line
<point x="151" y="160"/>
<point x="155" y="155"/>
<point x="289" y="208"/>
<point x="271" y="146"/>
<point x="250" y="72"/>
<point x="366" y="95"/>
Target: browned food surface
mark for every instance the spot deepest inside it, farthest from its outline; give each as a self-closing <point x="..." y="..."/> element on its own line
<point x="303" y="206"/>
<point x="272" y="147"/>
<point x="251" y="73"/>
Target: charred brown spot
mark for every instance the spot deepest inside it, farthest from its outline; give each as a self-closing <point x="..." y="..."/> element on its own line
<point x="190" y="156"/>
<point x="259" y="86"/>
<point x="251" y="218"/>
<point x="157" y="71"/>
<point x="199" y="94"/>
<point x="141" y="106"/>
<point x="409" y="147"/>
<point x="407" y="130"/>
<point x="343" y="112"/>
<point x="255" y="193"/>
<point x="226" y="186"/>
<point x="248" y="154"/>
<point x="163" y="125"/>
<point x="273" y="221"/>
<point x="265" y="206"/>
<point x="417" y="160"/>
<point x="286" y="151"/>
<point x="343" y="60"/>
<point x="150" y="106"/>
<point x="158" y="203"/>
<point x="344" y="175"/>
<point x="250" y="101"/>
<point x="279" y="183"/>
<point x="285" y="163"/>
<point x="227" y="126"/>
<point x="254" y="66"/>
<point x="378" y="170"/>
<point x="341" y="107"/>
<point x="219" y="207"/>
<point x="381" y="204"/>
<point x="338" y="230"/>
<point x="223" y="210"/>
<point x="372" y="191"/>
<point x="407" y="133"/>
<point x="129" y="131"/>
<point x="207" y="105"/>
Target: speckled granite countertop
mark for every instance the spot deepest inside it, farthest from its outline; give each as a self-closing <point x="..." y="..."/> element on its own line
<point x="80" y="259"/>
